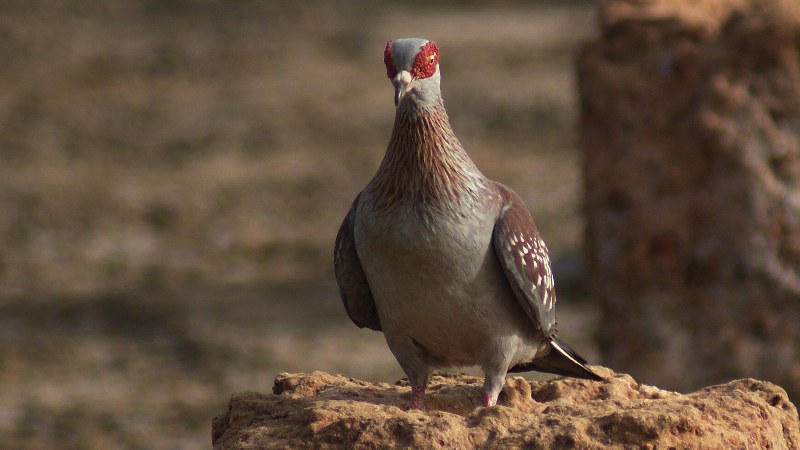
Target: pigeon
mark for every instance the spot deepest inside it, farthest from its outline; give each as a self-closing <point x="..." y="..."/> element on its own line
<point x="447" y="263"/>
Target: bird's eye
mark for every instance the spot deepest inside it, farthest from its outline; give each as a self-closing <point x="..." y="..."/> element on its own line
<point x="426" y="61"/>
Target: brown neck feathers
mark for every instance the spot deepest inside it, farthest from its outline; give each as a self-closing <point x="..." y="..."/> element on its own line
<point x="425" y="165"/>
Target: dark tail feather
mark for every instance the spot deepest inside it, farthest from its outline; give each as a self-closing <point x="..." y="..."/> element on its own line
<point x="562" y="360"/>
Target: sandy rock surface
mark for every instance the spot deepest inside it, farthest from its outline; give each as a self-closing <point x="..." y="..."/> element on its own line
<point x="320" y="410"/>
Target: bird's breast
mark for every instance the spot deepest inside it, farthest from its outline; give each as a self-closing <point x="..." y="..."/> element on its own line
<point x="438" y="280"/>
<point x="424" y="246"/>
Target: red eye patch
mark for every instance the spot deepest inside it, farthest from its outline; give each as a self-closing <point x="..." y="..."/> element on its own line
<point x="426" y="61"/>
<point x="391" y="70"/>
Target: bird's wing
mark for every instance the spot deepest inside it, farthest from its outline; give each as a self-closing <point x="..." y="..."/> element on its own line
<point x="353" y="285"/>
<point x="523" y="256"/>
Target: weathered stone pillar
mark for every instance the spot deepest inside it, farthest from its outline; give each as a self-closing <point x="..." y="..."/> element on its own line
<point x="690" y="121"/>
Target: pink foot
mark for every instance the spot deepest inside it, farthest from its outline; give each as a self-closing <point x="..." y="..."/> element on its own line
<point x="418" y="398"/>
<point x="489" y="400"/>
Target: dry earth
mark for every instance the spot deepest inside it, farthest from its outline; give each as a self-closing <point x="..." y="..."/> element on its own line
<point x="320" y="410"/>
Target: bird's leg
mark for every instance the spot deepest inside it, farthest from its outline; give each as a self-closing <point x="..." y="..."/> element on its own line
<point x="489" y="399"/>
<point x="492" y="386"/>
<point x="413" y="359"/>
<point x="418" y="384"/>
<point x="417" y="398"/>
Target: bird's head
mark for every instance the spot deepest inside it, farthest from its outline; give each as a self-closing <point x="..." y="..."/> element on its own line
<point x="413" y="67"/>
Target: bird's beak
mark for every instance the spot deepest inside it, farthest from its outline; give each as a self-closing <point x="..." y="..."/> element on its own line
<point x="403" y="82"/>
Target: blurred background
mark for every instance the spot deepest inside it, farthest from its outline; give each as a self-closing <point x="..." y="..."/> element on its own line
<point x="173" y="174"/>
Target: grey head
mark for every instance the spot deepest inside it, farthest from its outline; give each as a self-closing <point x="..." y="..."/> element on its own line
<point x="413" y="67"/>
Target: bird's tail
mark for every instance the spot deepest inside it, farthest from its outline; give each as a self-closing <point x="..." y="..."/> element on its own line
<point x="561" y="360"/>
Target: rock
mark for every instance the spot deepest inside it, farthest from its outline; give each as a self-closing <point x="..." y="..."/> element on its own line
<point x="690" y="122"/>
<point x="321" y="410"/>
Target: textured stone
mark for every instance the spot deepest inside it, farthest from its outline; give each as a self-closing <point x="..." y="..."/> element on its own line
<point x="320" y="410"/>
<point x="690" y="121"/>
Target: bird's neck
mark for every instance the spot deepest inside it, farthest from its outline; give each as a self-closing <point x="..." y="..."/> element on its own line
<point x="425" y="165"/>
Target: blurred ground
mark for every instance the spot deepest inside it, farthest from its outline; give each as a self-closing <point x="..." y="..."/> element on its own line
<point x="174" y="173"/>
